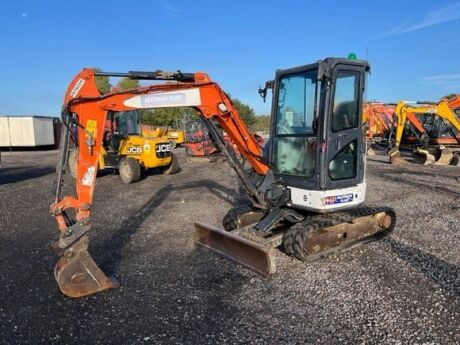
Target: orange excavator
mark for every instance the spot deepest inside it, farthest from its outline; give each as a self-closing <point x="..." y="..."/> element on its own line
<point x="437" y="131"/>
<point x="198" y="145"/>
<point x="306" y="196"/>
<point x="379" y="119"/>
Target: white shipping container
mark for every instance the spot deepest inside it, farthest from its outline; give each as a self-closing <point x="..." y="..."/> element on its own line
<point x="4" y="132"/>
<point x="26" y="131"/>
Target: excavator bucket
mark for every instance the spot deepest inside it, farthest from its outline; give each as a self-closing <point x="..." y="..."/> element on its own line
<point x="424" y="157"/>
<point x="78" y="275"/>
<point x="445" y="156"/>
<point x="395" y="157"/>
<point x="242" y="250"/>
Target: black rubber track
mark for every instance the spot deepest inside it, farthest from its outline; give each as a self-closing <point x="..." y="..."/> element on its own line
<point x="294" y="239"/>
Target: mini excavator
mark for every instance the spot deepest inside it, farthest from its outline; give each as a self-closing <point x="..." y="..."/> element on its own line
<point x="305" y="196"/>
<point x="436" y="149"/>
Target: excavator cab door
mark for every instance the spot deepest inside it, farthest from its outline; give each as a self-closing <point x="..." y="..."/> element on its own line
<point x="344" y="157"/>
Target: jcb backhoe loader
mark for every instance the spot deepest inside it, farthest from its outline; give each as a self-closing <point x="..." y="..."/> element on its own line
<point x="306" y="196"/>
<point x="127" y="150"/>
<point x="435" y="148"/>
<point x="175" y="137"/>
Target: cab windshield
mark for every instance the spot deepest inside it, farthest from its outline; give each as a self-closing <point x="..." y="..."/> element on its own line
<point x="126" y="123"/>
<point x="296" y="125"/>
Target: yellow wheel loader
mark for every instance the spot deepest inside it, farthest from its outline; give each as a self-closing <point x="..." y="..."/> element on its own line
<point x="176" y="137"/>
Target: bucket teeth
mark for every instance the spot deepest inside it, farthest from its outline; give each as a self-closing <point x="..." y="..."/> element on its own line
<point x="78" y="275"/>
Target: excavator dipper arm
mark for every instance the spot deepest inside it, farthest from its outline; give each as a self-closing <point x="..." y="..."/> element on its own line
<point x="84" y="115"/>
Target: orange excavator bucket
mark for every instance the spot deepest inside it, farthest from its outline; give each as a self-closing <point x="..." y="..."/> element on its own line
<point x="256" y="256"/>
<point x="78" y="275"/>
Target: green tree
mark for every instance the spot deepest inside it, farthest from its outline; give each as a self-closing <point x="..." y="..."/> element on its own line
<point x="247" y="114"/>
<point x="450" y="95"/>
<point x="262" y="123"/>
<point x="173" y="117"/>
<point x="127" y="84"/>
<point x="102" y="83"/>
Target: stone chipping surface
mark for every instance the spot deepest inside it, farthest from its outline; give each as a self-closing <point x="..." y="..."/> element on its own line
<point x="404" y="289"/>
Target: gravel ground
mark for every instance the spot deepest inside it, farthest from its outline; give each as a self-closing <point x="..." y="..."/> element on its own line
<point x="404" y="289"/>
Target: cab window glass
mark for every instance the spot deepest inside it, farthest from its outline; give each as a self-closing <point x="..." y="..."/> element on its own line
<point x="345" y="114"/>
<point x="296" y="100"/>
<point x="295" y="132"/>
<point x="126" y="123"/>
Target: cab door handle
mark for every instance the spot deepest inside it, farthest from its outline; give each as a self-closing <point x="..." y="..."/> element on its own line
<point x="338" y="141"/>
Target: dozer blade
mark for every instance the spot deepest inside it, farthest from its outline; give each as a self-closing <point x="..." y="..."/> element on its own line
<point x="395" y="157"/>
<point x="78" y="275"/>
<point x="241" y="250"/>
<point x="427" y="157"/>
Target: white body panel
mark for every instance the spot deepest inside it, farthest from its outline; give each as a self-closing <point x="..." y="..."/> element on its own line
<point x="26" y="131"/>
<point x="327" y="200"/>
<point x="183" y="98"/>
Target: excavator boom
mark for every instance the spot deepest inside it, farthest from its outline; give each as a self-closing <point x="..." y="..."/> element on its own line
<point x="84" y="116"/>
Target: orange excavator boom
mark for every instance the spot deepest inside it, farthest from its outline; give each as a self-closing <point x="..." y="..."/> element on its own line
<point x="86" y="111"/>
<point x="315" y="166"/>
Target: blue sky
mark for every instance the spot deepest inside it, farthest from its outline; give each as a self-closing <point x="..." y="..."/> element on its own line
<point x="413" y="46"/>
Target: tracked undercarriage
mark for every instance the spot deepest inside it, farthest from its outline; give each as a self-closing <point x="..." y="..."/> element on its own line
<point x="315" y="237"/>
